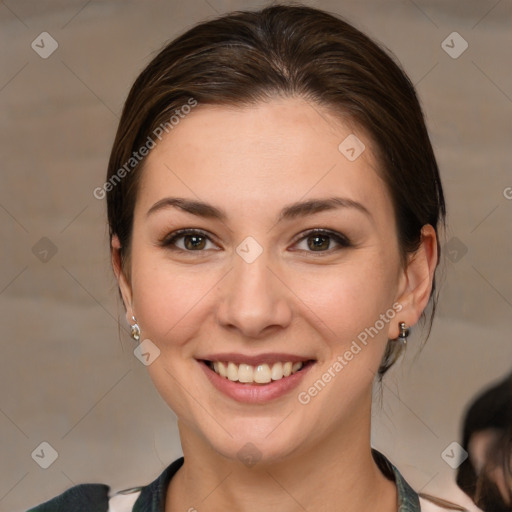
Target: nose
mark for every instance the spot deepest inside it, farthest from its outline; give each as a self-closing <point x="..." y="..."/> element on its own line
<point x="254" y="300"/>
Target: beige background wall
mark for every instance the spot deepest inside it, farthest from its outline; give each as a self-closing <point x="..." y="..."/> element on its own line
<point x="70" y="380"/>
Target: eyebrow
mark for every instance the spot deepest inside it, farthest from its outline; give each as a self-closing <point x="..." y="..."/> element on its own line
<point x="289" y="212"/>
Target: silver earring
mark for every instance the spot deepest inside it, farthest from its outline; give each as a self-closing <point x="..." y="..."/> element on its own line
<point x="135" y="330"/>
<point x="404" y="332"/>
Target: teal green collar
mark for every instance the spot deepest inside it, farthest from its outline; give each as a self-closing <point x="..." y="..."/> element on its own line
<point x="152" y="497"/>
<point x="95" y="497"/>
<point x="408" y="499"/>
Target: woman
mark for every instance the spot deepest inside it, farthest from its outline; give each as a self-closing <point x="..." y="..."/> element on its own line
<point x="274" y="207"/>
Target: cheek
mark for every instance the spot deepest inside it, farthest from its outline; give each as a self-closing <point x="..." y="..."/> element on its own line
<point x="168" y="298"/>
<point x="349" y="297"/>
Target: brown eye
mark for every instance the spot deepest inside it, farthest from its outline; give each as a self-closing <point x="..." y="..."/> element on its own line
<point x="193" y="240"/>
<point x="320" y="240"/>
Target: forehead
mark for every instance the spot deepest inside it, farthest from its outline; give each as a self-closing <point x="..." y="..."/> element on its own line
<point x="258" y="157"/>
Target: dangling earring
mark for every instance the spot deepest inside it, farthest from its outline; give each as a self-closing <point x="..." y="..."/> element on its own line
<point x="404" y="332"/>
<point x="135" y="330"/>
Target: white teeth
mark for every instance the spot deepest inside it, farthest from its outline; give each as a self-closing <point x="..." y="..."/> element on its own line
<point x="296" y="366"/>
<point x="261" y="374"/>
<point x="277" y="371"/>
<point x="232" y="371"/>
<point x="245" y="373"/>
<point x="222" y="370"/>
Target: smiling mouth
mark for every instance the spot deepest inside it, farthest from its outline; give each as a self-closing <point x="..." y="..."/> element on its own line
<point x="259" y="374"/>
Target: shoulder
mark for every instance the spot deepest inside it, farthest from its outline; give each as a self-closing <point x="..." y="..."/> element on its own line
<point x="91" y="498"/>
<point x="80" y="498"/>
<point x="408" y="499"/>
<point x="98" y="498"/>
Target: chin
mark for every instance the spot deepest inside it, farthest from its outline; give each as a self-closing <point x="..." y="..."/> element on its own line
<point x="258" y="443"/>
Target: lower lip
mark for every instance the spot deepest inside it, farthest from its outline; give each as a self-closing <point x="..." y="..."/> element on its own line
<point x="258" y="393"/>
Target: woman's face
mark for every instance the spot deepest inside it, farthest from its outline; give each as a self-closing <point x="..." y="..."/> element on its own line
<point x="253" y="285"/>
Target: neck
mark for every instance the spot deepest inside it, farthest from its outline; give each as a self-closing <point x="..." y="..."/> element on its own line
<point x="338" y="474"/>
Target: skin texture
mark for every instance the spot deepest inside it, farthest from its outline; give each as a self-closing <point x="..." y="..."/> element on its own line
<point x="293" y="298"/>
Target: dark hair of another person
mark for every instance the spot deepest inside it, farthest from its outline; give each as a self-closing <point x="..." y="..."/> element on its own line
<point x="288" y="51"/>
<point x="491" y="410"/>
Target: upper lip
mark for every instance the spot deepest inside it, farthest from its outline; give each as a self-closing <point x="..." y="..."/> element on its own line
<point x="255" y="360"/>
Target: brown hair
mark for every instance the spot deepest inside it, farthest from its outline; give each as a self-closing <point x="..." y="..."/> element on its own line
<point x="246" y="57"/>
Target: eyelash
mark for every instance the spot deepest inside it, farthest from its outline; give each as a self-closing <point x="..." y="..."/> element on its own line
<point x="342" y="240"/>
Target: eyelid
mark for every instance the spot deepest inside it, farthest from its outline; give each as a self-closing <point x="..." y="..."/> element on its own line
<point x="180" y="233"/>
<point x="341" y="239"/>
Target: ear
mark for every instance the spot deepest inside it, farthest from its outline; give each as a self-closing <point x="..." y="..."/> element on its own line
<point x="122" y="281"/>
<point x="416" y="280"/>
